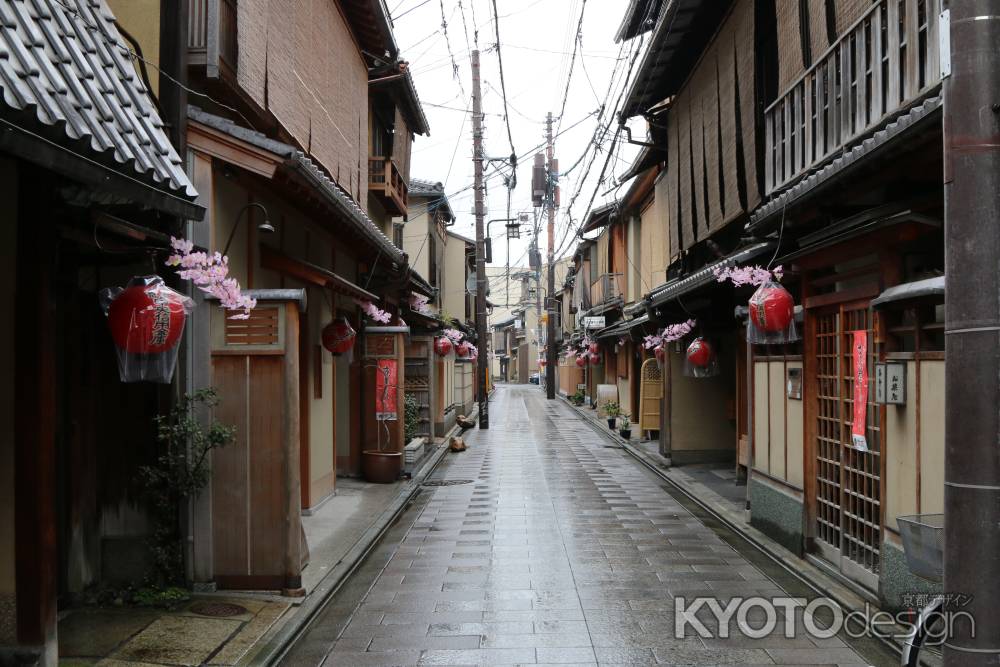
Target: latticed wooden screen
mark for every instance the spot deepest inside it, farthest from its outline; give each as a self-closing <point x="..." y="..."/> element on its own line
<point x="650" y="396"/>
<point x="848" y="481"/>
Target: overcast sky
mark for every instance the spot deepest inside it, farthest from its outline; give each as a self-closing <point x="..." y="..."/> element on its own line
<point x="536" y="42"/>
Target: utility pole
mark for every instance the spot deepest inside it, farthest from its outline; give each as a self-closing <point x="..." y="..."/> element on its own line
<point x="972" y="328"/>
<point x="477" y="161"/>
<point x="551" y="202"/>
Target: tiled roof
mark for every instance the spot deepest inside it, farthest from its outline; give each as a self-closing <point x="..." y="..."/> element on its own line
<point x="67" y="76"/>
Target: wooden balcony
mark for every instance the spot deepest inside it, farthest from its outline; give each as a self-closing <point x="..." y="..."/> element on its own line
<point x="606" y="289"/>
<point x="212" y="35"/>
<point x="386" y="183"/>
<point x="880" y="66"/>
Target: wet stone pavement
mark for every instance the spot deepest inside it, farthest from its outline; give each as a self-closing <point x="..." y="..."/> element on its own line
<point x="559" y="550"/>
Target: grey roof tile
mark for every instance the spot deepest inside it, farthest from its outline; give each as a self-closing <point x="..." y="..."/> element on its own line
<point x="64" y="68"/>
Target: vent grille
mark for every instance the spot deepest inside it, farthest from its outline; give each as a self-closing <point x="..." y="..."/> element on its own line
<point x="260" y="329"/>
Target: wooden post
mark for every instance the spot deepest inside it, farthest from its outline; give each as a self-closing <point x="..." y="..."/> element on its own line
<point x="293" y="492"/>
<point x="36" y="555"/>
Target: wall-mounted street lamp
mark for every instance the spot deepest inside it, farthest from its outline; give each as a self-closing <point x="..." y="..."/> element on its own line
<point x="265" y="226"/>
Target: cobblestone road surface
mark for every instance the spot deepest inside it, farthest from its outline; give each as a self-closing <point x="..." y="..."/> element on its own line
<point x="559" y="550"/>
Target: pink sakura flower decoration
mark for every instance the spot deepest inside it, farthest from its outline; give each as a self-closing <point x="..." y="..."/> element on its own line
<point x="747" y="275"/>
<point x="674" y="332"/>
<point x="418" y="302"/>
<point x="374" y="312"/>
<point x="210" y="273"/>
<point x="454" y="335"/>
<point x="669" y="334"/>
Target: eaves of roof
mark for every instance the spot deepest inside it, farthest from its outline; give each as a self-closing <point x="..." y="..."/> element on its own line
<point x="675" y="46"/>
<point x="705" y="275"/>
<point x="299" y="164"/>
<point x="399" y="85"/>
<point x="68" y="83"/>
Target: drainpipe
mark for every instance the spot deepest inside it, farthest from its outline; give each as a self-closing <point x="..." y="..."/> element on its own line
<point x="972" y="327"/>
<point x="750" y="443"/>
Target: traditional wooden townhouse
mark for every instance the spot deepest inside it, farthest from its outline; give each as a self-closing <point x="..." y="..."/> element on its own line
<point x="807" y="136"/>
<point x="301" y="157"/>
<point x="443" y="378"/>
<point x="93" y="187"/>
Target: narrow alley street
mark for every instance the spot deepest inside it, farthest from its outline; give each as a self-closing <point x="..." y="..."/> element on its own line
<point x="543" y="544"/>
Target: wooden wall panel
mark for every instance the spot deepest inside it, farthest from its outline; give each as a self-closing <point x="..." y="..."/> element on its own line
<point x="266" y="468"/>
<point x="229" y="468"/>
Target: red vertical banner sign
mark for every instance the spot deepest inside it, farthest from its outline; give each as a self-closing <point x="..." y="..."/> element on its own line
<point x="859" y="355"/>
<point x="386" y="390"/>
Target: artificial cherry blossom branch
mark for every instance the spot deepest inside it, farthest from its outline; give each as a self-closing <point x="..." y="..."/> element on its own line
<point x="210" y="274"/>
<point x="747" y="275"/>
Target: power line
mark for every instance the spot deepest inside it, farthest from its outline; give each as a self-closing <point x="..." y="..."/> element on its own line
<point x="447" y="41"/>
<point x="503" y="85"/>
<point x="572" y="61"/>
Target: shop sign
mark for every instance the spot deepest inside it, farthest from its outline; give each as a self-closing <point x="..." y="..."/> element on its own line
<point x="594" y="322"/>
<point x="890" y="383"/>
<point x="859" y="355"/>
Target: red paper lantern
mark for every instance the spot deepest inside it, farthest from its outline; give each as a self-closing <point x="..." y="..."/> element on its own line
<point x="700" y="353"/>
<point x="442" y="346"/>
<point x="660" y="352"/>
<point x="595" y="348"/>
<point x="542" y="362"/>
<point x="463" y="349"/>
<point x="595" y="359"/>
<point x="581" y="361"/>
<point x="147" y="319"/>
<point x="772" y="308"/>
<point x="338" y="336"/>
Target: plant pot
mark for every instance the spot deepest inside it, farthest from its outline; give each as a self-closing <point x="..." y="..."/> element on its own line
<point x="381" y="467"/>
<point x="611" y="423"/>
<point x="625" y="433"/>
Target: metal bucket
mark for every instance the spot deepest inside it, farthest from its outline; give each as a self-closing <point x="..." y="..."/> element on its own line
<point x="923" y="542"/>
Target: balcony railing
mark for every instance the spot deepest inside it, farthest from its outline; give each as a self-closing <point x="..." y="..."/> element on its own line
<point x="881" y="65"/>
<point x="385" y="182"/>
<point x="607" y="288"/>
<point x="213" y="34"/>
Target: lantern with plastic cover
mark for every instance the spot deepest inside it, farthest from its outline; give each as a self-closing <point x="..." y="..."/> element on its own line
<point x="771" y="308"/>
<point x="581" y="360"/>
<point x="700" y="353"/>
<point x="595" y="359"/>
<point x="442" y="346"/>
<point x="463" y="349"/>
<point x="660" y="352"/>
<point x="339" y="336"/>
<point x="147" y="317"/>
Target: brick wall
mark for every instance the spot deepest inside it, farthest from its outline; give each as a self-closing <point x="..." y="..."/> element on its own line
<point x="300" y="62"/>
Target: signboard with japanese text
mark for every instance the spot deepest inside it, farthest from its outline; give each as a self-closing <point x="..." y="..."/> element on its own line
<point x="890" y="383"/>
<point x="594" y="322"/>
<point x="859" y="357"/>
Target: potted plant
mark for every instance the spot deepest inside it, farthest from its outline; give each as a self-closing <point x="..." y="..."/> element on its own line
<point x="383" y="466"/>
<point x="577" y="398"/>
<point x="611" y="411"/>
<point x="624" y="426"/>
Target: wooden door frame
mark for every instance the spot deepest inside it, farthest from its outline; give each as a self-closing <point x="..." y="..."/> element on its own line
<point x="851" y="301"/>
